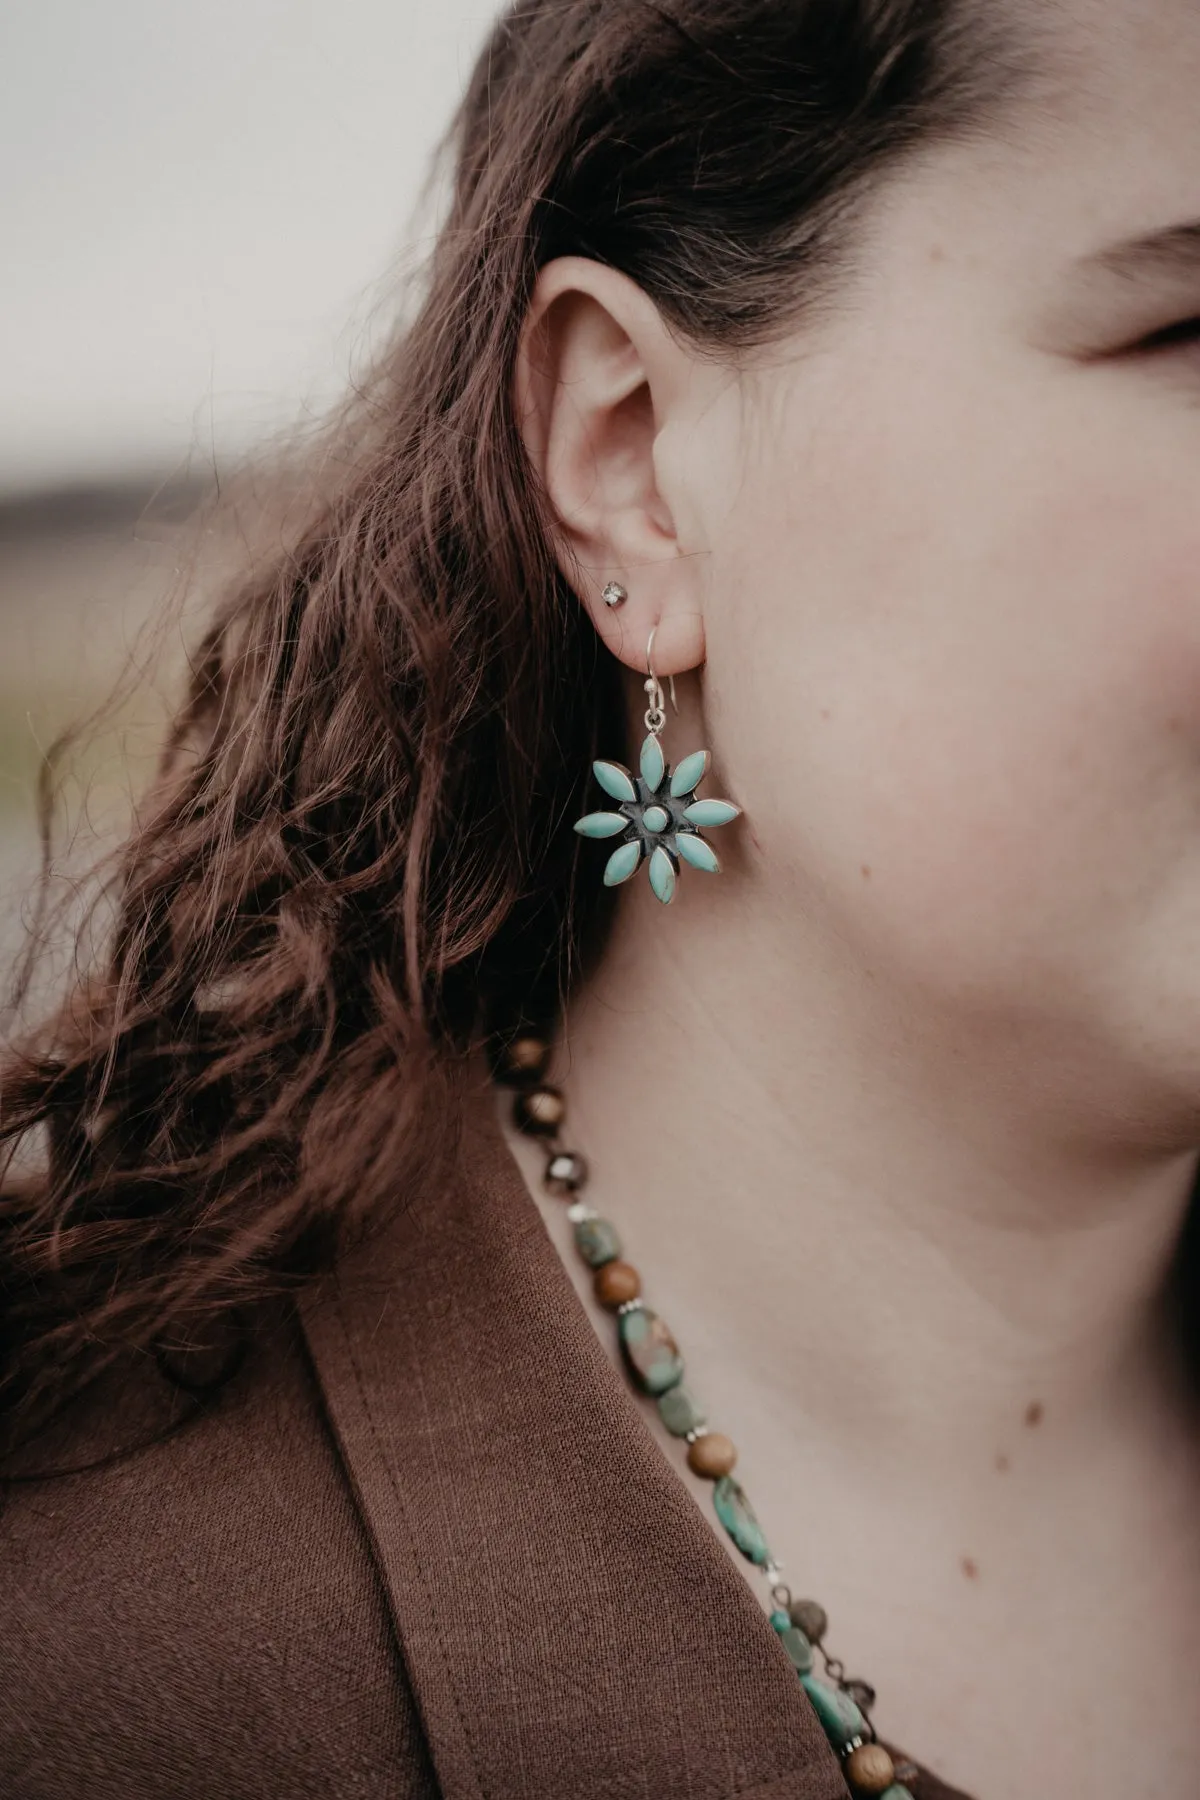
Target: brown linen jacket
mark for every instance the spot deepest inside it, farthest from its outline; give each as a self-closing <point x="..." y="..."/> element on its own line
<point x="425" y="1545"/>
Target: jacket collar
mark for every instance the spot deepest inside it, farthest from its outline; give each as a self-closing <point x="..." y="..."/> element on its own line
<point x="571" y="1627"/>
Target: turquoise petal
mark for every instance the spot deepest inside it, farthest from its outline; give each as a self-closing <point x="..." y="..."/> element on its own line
<point x="601" y="825"/>
<point x="622" y="863"/>
<point x="689" y="773"/>
<point x="662" y="874"/>
<point x="711" y="812"/>
<point x="653" y="766"/>
<point x="694" y="850"/>
<point x="615" y="779"/>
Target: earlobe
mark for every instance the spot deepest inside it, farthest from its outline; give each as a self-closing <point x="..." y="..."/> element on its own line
<point x="597" y="372"/>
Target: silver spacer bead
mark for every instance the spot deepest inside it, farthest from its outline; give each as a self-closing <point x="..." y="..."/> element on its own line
<point x="630" y="1306"/>
<point x="565" y="1172"/>
<point x="697" y="1431"/>
<point x="579" y="1210"/>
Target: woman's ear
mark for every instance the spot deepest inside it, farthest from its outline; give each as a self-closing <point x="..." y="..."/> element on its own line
<point x="596" y="379"/>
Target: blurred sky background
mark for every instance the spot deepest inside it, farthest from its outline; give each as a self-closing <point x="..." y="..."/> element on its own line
<point x="204" y="213"/>
<point x="199" y="205"/>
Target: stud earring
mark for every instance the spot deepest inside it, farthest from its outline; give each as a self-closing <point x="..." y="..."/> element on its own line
<point x="613" y="594"/>
<point x="659" y="814"/>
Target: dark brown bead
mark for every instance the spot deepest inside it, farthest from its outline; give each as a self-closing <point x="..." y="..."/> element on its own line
<point x="566" y="1171"/>
<point x="869" y="1769"/>
<point x="810" y="1618"/>
<point x="616" y="1283"/>
<point x="524" y="1058"/>
<point x="540" y="1112"/>
<point x="711" y="1455"/>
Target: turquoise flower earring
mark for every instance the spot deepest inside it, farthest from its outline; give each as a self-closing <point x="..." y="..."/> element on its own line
<point x="659" y="814"/>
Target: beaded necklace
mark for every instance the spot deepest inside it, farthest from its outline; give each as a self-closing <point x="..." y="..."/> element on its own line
<point x="655" y="1366"/>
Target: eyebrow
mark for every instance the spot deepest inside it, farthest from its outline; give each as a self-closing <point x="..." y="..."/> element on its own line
<point x="1175" y="250"/>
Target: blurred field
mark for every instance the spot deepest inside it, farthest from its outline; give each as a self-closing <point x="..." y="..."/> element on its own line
<point x="86" y="580"/>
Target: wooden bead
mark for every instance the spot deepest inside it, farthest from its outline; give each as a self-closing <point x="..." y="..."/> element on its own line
<point x="525" y="1058"/>
<point x="711" y="1455"/>
<point x="616" y="1283"/>
<point x="869" y="1769"/>
<point x="540" y="1112"/>
<point x="810" y="1618"/>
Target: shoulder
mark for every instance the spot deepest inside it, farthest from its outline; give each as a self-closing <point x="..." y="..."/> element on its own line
<point x="207" y="1604"/>
<point x="433" y="1530"/>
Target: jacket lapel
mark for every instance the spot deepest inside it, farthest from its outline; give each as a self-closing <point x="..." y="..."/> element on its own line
<point x="571" y="1626"/>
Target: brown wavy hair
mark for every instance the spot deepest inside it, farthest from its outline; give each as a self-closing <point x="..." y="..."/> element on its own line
<point x="357" y="854"/>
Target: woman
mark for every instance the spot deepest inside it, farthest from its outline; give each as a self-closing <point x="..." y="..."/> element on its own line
<point x="801" y="408"/>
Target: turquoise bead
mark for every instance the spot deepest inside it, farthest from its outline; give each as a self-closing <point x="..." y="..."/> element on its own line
<point x="897" y="1791"/>
<point x="656" y="818"/>
<point x="794" y="1642"/>
<point x="800" y="1651"/>
<point x="737" y="1516"/>
<point x="650" y="1351"/>
<point x="839" y="1716"/>
<point x="680" y="1412"/>
<point x="597" y="1242"/>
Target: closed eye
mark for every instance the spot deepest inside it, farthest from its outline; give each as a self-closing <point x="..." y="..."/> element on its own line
<point x="1183" y="332"/>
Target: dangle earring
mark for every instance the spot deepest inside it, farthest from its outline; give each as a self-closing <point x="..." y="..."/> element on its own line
<point x="659" y="814"/>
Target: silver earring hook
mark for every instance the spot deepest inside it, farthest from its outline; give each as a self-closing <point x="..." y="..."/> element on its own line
<point x="655" y="715"/>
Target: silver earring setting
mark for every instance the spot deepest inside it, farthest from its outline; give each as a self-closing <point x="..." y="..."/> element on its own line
<point x="658" y="813"/>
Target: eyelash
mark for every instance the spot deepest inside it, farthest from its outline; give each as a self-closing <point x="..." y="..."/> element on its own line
<point x="1170" y="337"/>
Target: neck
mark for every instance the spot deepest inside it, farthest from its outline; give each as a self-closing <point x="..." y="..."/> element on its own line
<point x="895" y="1229"/>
